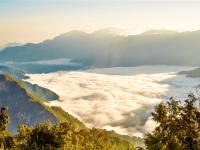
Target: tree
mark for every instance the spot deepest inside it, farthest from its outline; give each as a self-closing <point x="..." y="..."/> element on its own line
<point x="9" y="142"/>
<point x="178" y="126"/>
<point x="22" y="136"/>
<point x="4" y="119"/>
<point x="65" y="135"/>
<point x="41" y="137"/>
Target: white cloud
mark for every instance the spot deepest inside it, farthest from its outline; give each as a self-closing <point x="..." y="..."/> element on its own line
<point x="59" y="61"/>
<point x="117" y="99"/>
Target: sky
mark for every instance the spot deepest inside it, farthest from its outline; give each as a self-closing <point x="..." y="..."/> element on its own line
<point x="25" y="21"/>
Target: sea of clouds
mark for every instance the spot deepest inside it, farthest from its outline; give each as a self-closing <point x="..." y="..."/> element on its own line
<point x="119" y="99"/>
<point x="59" y="61"/>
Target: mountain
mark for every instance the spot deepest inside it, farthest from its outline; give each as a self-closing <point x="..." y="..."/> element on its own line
<point x="9" y="45"/>
<point x="109" y="31"/>
<point x="195" y="73"/>
<point x="102" y="49"/>
<point x="18" y="74"/>
<point x="41" y="92"/>
<point x="26" y="108"/>
<point x="160" y="32"/>
<point x="14" y="72"/>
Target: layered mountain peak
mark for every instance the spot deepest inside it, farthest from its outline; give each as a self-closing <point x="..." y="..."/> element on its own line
<point x="73" y="33"/>
<point x="110" y="51"/>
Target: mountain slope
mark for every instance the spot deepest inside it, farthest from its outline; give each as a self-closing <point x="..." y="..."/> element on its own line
<point x="40" y="92"/>
<point x="16" y="73"/>
<point x="108" y="50"/>
<point x="23" y="107"/>
<point x="192" y="73"/>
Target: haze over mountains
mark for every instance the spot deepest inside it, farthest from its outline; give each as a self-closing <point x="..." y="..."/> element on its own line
<point x="106" y="80"/>
<point x="104" y="49"/>
<point x="13" y="44"/>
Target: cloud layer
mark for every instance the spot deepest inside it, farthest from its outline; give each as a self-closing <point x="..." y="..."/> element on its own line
<point x="119" y="99"/>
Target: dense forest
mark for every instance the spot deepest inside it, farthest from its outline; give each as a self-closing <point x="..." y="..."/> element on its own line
<point x="178" y="128"/>
<point x="61" y="136"/>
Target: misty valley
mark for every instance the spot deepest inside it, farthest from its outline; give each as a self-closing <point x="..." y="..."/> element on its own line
<point x="100" y="91"/>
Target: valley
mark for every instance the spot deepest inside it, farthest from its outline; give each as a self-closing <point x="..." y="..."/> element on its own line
<point x="118" y="99"/>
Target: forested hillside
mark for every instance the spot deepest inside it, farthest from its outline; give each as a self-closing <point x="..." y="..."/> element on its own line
<point x="25" y="107"/>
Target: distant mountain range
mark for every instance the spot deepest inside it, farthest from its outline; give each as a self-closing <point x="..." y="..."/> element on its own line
<point x="195" y="73"/>
<point x="102" y="49"/>
<point x="9" y="45"/>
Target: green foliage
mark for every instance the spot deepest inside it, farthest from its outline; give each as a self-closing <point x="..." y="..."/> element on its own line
<point x="9" y="142"/>
<point x="22" y="135"/>
<point x="65" y="136"/>
<point x="43" y="136"/>
<point x="61" y="136"/>
<point x="41" y="92"/>
<point x="4" y="119"/>
<point x="178" y="126"/>
<point x="56" y="113"/>
<point x="68" y="134"/>
<point x="64" y="116"/>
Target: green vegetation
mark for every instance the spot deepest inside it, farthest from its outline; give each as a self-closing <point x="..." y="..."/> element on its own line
<point x="178" y="126"/>
<point x="64" y="116"/>
<point x="178" y="129"/>
<point x="17" y="74"/>
<point x="60" y="131"/>
<point x="61" y="136"/>
<point x="41" y="92"/>
<point x="57" y="112"/>
<point x="3" y="125"/>
<point x="27" y="108"/>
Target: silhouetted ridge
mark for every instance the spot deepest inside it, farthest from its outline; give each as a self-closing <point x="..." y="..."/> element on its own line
<point x="156" y="47"/>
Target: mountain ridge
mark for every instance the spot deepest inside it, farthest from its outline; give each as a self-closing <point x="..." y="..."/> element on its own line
<point x="20" y="75"/>
<point x="111" y="51"/>
<point x="25" y="108"/>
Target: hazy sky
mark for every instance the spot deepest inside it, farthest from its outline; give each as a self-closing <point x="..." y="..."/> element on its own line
<point x="36" y="20"/>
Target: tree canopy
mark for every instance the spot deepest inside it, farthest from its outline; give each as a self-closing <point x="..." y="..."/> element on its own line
<point x="178" y="126"/>
<point x="60" y="136"/>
